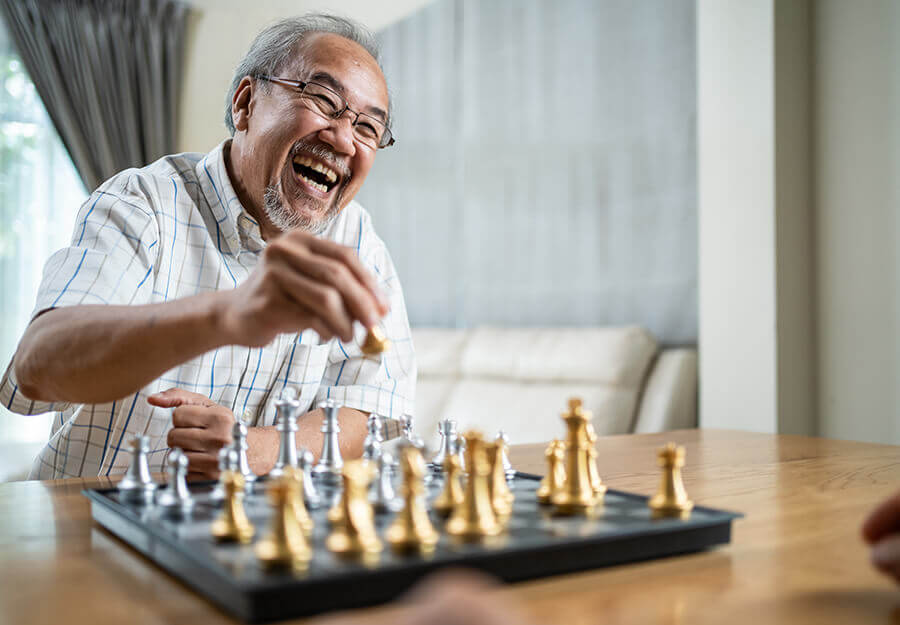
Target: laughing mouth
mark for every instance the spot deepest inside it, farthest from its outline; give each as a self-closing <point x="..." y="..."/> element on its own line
<point x="315" y="173"/>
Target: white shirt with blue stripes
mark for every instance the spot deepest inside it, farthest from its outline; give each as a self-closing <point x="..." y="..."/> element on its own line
<point x="173" y="229"/>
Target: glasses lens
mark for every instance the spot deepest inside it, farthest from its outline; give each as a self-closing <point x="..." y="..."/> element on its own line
<point x="369" y="130"/>
<point x="322" y="99"/>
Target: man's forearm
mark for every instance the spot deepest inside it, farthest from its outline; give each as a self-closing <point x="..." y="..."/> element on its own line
<point x="97" y="354"/>
<point x="264" y="441"/>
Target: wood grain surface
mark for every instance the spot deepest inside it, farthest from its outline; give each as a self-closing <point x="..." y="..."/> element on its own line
<point x="796" y="557"/>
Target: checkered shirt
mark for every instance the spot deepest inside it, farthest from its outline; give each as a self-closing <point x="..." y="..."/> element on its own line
<point x="173" y="229"/>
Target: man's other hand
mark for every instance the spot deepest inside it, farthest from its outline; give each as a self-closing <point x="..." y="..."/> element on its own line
<point x="302" y="282"/>
<point x="882" y="531"/>
<point x="200" y="427"/>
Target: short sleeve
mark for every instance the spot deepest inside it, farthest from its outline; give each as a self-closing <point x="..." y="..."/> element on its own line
<point x="384" y="384"/>
<point x="112" y="254"/>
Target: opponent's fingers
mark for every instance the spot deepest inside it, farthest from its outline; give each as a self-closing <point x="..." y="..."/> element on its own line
<point x="347" y="256"/>
<point x="174" y="397"/>
<point x="886" y="556"/>
<point x="884" y="519"/>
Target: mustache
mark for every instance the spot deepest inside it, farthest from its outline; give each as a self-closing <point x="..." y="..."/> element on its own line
<point x="324" y="154"/>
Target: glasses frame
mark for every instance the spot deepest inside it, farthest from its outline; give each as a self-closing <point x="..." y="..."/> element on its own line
<point x="300" y="86"/>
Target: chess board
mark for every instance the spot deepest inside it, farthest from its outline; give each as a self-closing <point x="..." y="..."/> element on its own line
<point x="534" y="545"/>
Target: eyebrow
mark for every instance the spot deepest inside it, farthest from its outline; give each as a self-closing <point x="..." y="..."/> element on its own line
<point x="330" y="81"/>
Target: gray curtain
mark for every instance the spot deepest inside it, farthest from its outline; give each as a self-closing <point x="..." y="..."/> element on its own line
<point x="109" y="73"/>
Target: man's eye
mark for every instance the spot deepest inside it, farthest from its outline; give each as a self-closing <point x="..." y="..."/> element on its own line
<point x="367" y="130"/>
<point x="323" y="102"/>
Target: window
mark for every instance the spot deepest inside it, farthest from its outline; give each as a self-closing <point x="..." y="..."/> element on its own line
<point x="40" y="193"/>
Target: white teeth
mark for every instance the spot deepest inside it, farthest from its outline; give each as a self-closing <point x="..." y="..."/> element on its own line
<point x="314" y="184"/>
<point x="329" y="173"/>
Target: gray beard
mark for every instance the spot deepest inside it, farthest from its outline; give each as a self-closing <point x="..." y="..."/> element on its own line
<point x="285" y="219"/>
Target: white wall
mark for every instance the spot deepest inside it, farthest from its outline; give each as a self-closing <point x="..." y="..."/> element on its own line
<point x="219" y="33"/>
<point x="857" y="162"/>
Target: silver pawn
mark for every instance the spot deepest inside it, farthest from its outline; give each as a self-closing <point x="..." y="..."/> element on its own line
<point x="507" y="465"/>
<point x="286" y="408"/>
<point x="310" y="493"/>
<point x="218" y="492"/>
<point x="239" y="444"/>
<point x="330" y="461"/>
<point x="448" y="434"/>
<point x="176" y="499"/>
<point x="138" y="486"/>
<point x="372" y="444"/>
<point x="384" y="499"/>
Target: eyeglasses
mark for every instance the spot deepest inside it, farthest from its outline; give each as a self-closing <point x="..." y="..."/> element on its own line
<point x="326" y="102"/>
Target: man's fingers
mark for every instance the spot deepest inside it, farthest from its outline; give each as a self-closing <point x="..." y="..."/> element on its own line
<point x="358" y="299"/>
<point x="202" y="463"/>
<point x="348" y="258"/>
<point x="192" y="417"/>
<point x="174" y="397"/>
<point x="883" y="520"/>
<point x="189" y="439"/>
<point x="325" y="303"/>
<point x="886" y="555"/>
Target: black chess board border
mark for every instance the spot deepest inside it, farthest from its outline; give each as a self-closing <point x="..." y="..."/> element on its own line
<point x="297" y="597"/>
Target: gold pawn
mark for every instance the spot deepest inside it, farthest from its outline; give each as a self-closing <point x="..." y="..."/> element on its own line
<point x="376" y="342"/>
<point x="473" y="518"/>
<point x="296" y="494"/>
<point x="233" y="524"/>
<point x="411" y="529"/>
<point x="354" y="534"/>
<point x="498" y="489"/>
<point x="556" y="472"/>
<point x="596" y="483"/>
<point x="284" y="546"/>
<point x="452" y="494"/>
<point x="671" y="500"/>
<point x="576" y="496"/>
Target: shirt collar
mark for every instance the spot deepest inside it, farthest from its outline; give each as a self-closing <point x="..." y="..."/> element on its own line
<point x="235" y="229"/>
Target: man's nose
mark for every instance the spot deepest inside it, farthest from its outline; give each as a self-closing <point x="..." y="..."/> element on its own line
<point x="339" y="134"/>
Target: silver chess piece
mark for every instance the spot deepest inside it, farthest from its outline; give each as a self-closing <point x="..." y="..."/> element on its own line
<point x="176" y="499"/>
<point x="286" y="408"/>
<point x="446" y="447"/>
<point x="330" y="461"/>
<point x="239" y="444"/>
<point x="138" y="486"/>
<point x="372" y="444"/>
<point x="310" y="493"/>
<point x="217" y="494"/>
<point x="384" y="498"/>
<point x="507" y="465"/>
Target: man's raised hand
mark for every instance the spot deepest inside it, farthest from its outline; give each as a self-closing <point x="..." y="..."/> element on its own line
<point x="303" y="282"/>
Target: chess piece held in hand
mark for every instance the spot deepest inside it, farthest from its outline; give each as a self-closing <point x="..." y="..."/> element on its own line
<point x="375" y="342"/>
<point x="671" y="500"/>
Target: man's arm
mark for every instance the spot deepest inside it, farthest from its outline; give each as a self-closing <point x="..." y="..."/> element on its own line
<point x="95" y="354"/>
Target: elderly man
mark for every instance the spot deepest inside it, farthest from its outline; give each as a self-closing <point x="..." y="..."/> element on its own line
<point x="200" y="286"/>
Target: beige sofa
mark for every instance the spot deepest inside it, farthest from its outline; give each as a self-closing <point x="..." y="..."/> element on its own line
<point x="519" y="380"/>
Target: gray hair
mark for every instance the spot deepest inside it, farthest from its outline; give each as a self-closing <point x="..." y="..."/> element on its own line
<point x="275" y="46"/>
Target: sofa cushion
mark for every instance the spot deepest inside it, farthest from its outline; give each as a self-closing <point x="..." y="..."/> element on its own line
<point x="614" y="356"/>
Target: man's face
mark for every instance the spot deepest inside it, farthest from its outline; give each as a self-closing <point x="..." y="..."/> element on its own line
<point x="300" y="167"/>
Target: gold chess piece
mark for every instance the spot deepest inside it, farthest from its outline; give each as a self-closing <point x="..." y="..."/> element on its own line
<point x="284" y="546"/>
<point x="354" y="534"/>
<point x="301" y="514"/>
<point x="411" y="529"/>
<point x="232" y="525"/>
<point x="473" y="518"/>
<point x="596" y="483"/>
<point x="556" y="471"/>
<point x="576" y="496"/>
<point x="671" y="500"/>
<point x="498" y="490"/>
<point x="376" y="342"/>
<point x="452" y="494"/>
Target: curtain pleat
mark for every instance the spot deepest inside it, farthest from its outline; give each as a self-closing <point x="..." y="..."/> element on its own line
<point x="109" y="74"/>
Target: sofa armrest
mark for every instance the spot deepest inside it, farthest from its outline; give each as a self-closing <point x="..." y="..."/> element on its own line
<point x="669" y="400"/>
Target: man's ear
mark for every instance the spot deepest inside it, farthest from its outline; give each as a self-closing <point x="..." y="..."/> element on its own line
<point x="242" y="103"/>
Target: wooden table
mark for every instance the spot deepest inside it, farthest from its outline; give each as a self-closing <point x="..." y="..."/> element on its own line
<point x="795" y="558"/>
